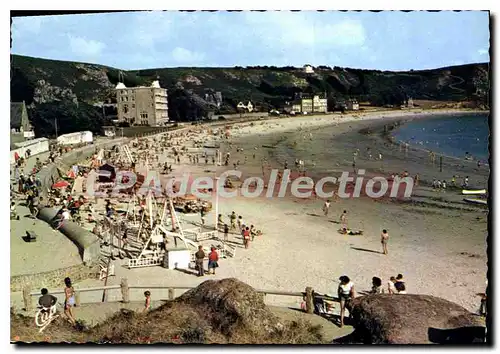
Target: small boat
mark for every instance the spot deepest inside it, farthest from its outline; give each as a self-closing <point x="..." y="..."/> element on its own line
<point x="474" y="192"/>
<point x="476" y="201"/>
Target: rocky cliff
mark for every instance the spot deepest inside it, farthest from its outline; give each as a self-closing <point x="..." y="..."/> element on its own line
<point x="41" y="81"/>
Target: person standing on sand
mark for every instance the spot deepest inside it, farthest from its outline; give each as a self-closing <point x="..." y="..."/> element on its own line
<point x="232" y="218"/>
<point x="246" y="237"/>
<point x="202" y="215"/>
<point x="199" y="257"/>
<point x="147" y="302"/>
<point x="69" y="302"/>
<point x="345" y="294"/>
<point x="240" y="222"/>
<point x="343" y="220"/>
<point x="326" y="207"/>
<point x="384" y="238"/>
<point x="226" y="232"/>
<point x="213" y="259"/>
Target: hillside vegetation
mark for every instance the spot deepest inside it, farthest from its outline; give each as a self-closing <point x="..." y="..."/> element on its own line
<point x="41" y="81"/>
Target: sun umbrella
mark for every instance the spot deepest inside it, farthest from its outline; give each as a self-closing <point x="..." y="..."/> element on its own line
<point x="60" y="184"/>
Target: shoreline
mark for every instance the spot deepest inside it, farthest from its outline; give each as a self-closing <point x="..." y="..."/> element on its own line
<point x="391" y="137"/>
<point x="297" y="235"/>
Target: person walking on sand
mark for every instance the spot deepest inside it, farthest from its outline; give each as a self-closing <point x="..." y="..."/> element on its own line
<point x="326" y="207"/>
<point x="202" y="215"/>
<point x="69" y="302"/>
<point x="199" y="257"/>
<point x="240" y="222"/>
<point x="232" y="218"/>
<point x="147" y="302"/>
<point x="343" y="220"/>
<point x="345" y="294"/>
<point x="384" y="238"/>
<point x="213" y="259"/>
<point x="246" y="237"/>
<point x="226" y="232"/>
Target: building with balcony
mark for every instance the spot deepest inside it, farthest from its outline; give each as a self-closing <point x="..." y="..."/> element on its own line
<point x="319" y="104"/>
<point x="142" y="105"/>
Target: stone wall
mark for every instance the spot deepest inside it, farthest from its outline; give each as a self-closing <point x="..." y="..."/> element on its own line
<point x="88" y="244"/>
<point x="37" y="146"/>
<point x="53" y="279"/>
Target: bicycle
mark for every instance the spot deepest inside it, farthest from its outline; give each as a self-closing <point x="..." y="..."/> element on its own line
<point x="45" y="316"/>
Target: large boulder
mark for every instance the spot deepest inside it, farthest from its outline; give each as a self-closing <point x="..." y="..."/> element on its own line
<point x="233" y="304"/>
<point x="414" y="319"/>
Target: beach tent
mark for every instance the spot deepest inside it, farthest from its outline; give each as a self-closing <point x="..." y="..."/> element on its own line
<point x="109" y="170"/>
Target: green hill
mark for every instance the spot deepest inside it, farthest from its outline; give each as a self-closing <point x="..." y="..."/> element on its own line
<point x="42" y="82"/>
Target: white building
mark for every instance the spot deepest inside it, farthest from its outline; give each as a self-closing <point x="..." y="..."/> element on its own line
<point x="246" y="107"/>
<point x="142" y="105"/>
<point x="308" y="69"/>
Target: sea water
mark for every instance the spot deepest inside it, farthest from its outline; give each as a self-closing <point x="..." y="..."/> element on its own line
<point x="456" y="135"/>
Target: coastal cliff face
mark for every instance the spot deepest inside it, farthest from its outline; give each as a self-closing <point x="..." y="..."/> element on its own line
<point x="41" y="82"/>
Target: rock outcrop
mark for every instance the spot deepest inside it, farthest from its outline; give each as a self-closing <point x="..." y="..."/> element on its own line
<point x="232" y="305"/>
<point x="414" y="319"/>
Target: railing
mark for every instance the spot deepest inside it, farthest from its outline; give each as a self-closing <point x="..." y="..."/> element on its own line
<point x="308" y="295"/>
<point x="144" y="262"/>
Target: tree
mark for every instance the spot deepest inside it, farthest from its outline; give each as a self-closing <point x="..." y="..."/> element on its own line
<point x="70" y="118"/>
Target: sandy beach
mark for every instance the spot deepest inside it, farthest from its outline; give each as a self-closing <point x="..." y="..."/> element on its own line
<point x="436" y="241"/>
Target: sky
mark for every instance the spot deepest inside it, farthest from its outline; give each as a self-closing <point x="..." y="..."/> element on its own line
<point x="139" y="40"/>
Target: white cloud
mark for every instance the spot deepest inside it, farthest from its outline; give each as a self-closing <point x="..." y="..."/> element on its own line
<point x="27" y="25"/>
<point x="300" y="29"/>
<point x="344" y="33"/>
<point x="186" y="57"/>
<point x="85" y="48"/>
<point x="151" y="26"/>
<point x="483" y="51"/>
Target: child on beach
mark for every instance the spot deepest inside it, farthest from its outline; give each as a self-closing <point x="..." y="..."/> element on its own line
<point x="147" y="302"/>
<point x="343" y="220"/>
<point x="390" y="286"/>
<point x="326" y="207"/>
<point x="384" y="238"/>
<point x="232" y="217"/>
<point x="226" y="232"/>
<point x="202" y="214"/>
<point x="246" y="237"/>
